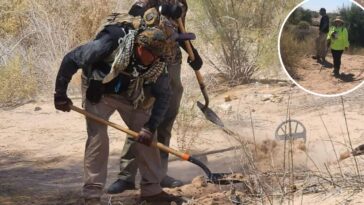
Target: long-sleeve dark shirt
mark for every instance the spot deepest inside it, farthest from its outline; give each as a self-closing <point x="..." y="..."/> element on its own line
<point x="92" y="56"/>
<point x="324" y="24"/>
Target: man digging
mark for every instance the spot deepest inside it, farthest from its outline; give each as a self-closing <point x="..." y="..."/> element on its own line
<point x="122" y="69"/>
<point x="171" y="10"/>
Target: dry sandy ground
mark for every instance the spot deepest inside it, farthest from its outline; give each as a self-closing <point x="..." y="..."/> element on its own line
<point x="319" y="79"/>
<point x="41" y="149"/>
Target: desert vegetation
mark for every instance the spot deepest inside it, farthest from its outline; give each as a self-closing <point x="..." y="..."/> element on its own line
<point x="238" y="41"/>
<point x="36" y="34"/>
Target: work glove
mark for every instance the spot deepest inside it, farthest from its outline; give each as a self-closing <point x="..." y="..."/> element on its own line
<point x="62" y="102"/>
<point x="171" y="11"/>
<point x="197" y="63"/>
<point x="145" y="137"/>
<point x="95" y="91"/>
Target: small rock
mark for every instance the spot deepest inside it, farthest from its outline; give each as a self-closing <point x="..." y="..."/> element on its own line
<point x="277" y="99"/>
<point x="266" y="97"/>
<point x="228" y="98"/>
<point x="226" y="107"/>
<point x="37" y="109"/>
<point x="282" y="84"/>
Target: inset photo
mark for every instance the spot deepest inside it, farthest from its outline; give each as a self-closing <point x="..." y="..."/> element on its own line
<point x="321" y="46"/>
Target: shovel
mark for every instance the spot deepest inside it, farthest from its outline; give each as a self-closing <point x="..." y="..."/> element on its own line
<point x="215" y="178"/>
<point x="209" y="114"/>
<point x="356" y="152"/>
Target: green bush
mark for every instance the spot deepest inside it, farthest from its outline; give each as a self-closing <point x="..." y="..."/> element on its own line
<point x="300" y="14"/>
<point x="354" y="18"/>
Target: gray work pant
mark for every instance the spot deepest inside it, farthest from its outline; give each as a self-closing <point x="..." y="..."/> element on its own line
<point x="128" y="168"/>
<point x="147" y="159"/>
<point x="321" y="45"/>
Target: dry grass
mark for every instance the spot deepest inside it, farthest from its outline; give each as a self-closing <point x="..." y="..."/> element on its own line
<point x="356" y="51"/>
<point x="296" y="43"/>
<point x="17" y="85"/>
<point x="40" y="33"/>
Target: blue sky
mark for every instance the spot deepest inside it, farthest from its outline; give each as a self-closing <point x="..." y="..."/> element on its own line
<point x="329" y="5"/>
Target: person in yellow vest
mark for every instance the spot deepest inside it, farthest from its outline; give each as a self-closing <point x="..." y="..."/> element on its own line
<point x="339" y="42"/>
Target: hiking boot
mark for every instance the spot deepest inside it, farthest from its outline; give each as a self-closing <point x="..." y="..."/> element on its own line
<point x="120" y="186"/>
<point x="92" y="201"/>
<point x="336" y="74"/>
<point x="170" y="182"/>
<point x="163" y="198"/>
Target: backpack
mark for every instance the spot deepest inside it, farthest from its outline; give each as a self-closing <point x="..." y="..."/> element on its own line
<point x="120" y="18"/>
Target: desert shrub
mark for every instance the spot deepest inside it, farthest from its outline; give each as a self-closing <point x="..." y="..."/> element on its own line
<point x="43" y="31"/>
<point x="237" y="54"/>
<point x="302" y="31"/>
<point x="241" y="35"/>
<point x="290" y="52"/>
<point x="17" y="85"/>
<point x="293" y="47"/>
<point x="250" y="20"/>
<point x="300" y="14"/>
<point x="354" y="18"/>
<point x="11" y="18"/>
<point x="304" y="25"/>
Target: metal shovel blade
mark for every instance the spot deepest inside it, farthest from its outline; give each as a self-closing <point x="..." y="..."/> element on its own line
<point x="214" y="178"/>
<point x="210" y="115"/>
<point x="221" y="178"/>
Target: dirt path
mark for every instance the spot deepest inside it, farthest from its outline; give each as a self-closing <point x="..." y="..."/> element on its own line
<point x="41" y="150"/>
<point x="319" y="79"/>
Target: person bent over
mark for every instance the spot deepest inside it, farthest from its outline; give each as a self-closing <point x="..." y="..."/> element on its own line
<point x="169" y="12"/>
<point x="122" y="70"/>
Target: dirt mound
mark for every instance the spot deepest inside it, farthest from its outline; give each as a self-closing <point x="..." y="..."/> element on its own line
<point x="198" y="192"/>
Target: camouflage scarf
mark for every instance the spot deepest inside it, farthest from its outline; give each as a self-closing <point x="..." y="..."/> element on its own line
<point x="135" y="89"/>
<point x="121" y="62"/>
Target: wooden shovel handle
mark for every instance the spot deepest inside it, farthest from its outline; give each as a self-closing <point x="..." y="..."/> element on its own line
<point x="191" y="55"/>
<point x="133" y="134"/>
<point x="187" y="43"/>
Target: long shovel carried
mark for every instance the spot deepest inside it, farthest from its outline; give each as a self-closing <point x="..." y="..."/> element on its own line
<point x="209" y="114"/>
<point x="216" y="178"/>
